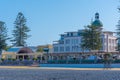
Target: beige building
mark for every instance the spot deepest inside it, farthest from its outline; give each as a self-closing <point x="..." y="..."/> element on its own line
<point x="45" y="48"/>
<point x="21" y="53"/>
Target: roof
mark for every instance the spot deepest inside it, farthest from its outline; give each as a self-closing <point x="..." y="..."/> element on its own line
<point x="25" y="50"/>
<point x="71" y="32"/>
<point x="14" y="49"/>
<point x="22" y="49"/>
<point x="108" y="32"/>
<point x="97" y="23"/>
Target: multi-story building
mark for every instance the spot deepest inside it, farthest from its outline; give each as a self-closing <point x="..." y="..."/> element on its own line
<point x="70" y="41"/>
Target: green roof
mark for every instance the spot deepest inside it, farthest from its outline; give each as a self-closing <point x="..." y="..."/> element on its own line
<point x="97" y="23"/>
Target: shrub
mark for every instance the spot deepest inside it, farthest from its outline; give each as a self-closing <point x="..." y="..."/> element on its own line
<point x="73" y="61"/>
<point x="61" y="61"/>
<point x="13" y="59"/>
<point x="51" y="61"/>
<point x="28" y="58"/>
<point x="20" y="59"/>
<point x="87" y="61"/>
<point x="9" y="59"/>
<point x="2" y="59"/>
<point x="117" y="61"/>
<point x="35" y="59"/>
<point x="100" y="61"/>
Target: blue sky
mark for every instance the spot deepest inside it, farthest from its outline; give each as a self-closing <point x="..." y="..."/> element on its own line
<point x="49" y="18"/>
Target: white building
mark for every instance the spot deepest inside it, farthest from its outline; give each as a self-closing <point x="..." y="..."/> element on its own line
<point x="70" y="41"/>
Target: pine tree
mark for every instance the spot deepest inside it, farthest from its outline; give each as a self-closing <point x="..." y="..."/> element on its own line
<point x="118" y="34"/>
<point x="91" y="39"/>
<point x="3" y="36"/>
<point x="20" y="31"/>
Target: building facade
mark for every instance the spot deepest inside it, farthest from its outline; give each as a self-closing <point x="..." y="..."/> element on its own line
<point x="45" y="48"/>
<point x="23" y="53"/>
<point x="69" y="42"/>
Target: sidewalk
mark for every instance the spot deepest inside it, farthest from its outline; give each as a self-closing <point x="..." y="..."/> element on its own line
<point x="54" y="68"/>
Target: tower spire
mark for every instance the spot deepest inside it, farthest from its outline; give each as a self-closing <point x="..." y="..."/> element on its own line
<point x="97" y="22"/>
<point x="96" y="16"/>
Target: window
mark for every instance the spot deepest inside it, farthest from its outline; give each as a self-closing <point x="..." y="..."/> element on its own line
<point x="67" y="48"/>
<point x="67" y="41"/>
<point x="55" y="49"/>
<point x="109" y="47"/>
<point x="110" y="41"/>
<point x="105" y="41"/>
<point x="105" y="47"/>
<point x="76" y="41"/>
<point x="71" y="34"/>
<point x="61" y="49"/>
<point x="75" y="48"/>
<point x="102" y="40"/>
<point x="79" y="34"/>
<point x="67" y="34"/>
<point x="113" y="41"/>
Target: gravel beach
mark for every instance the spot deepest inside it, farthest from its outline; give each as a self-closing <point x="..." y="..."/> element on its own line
<point x="57" y="74"/>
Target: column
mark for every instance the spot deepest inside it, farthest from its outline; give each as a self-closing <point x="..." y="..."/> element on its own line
<point x="23" y="58"/>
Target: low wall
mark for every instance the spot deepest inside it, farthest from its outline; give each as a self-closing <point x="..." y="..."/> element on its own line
<point x="79" y="65"/>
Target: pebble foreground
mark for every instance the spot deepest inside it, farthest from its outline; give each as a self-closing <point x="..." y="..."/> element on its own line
<point x="56" y="74"/>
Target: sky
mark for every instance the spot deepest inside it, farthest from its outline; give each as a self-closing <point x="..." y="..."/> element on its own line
<point x="47" y="19"/>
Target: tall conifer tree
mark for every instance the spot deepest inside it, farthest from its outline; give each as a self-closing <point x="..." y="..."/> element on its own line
<point x="3" y="36"/>
<point x="20" y="31"/>
<point x="91" y="39"/>
<point x="91" y="35"/>
<point x="118" y="34"/>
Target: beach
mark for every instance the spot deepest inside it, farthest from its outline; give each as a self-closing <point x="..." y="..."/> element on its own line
<point x="42" y="73"/>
